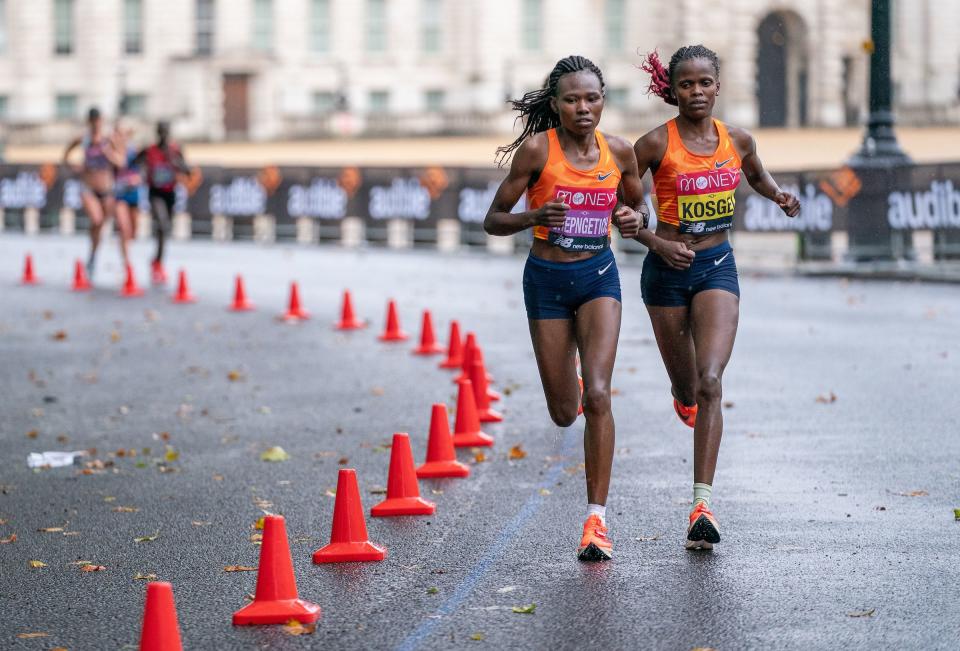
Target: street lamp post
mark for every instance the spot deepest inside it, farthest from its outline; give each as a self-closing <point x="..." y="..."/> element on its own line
<point x="880" y="163"/>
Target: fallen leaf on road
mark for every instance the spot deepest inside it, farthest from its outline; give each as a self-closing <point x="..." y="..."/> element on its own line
<point x="258" y="525"/>
<point x="59" y="335"/>
<point x="479" y="457"/>
<point x="956" y="514"/>
<point x="92" y="568"/>
<point x="342" y="461"/>
<point x="114" y="336"/>
<point x="144" y="577"/>
<point x="256" y="538"/>
<point x="218" y="478"/>
<point x="141" y="539"/>
<point x="433" y="590"/>
<point x="478" y="637"/>
<point x="545" y="491"/>
<point x="525" y="610"/>
<point x="862" y="613"/>
<point x="293" y="627"/>
<point x="30" y="636"/>
<point x="50" y="530"/>
<point x="170" y="454"/>
<point x="378" y="491"/>
<point x="330" y="493"/>
<point x="276" y="453"/>
<point x="517" y="452"/>
<point x="507" y="588"/>
<point x="32" y="434"/>
<point x="37" y="564"/>
<point x="80" y="563"/>
<point x="919" y="493"/>
<point x="827" y="399"/>
<point x="239" y="568"/>
<point x="435" y="491"/>
<point x="377" y="391"/>
<point x="235" y="376"/>
<point x="648" y="538"/>
<point x="199" y="523"/>
<point x="125" y="509"/>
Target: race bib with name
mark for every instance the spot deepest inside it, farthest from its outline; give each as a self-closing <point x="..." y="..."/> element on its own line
<point x="587" y="227"/>
<point x="705" y="200"/>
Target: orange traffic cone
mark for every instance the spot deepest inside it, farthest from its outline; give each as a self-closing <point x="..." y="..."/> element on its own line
<point x="348" y="320"/>
<point x="160" y="631"/>
<point x="466" y="360"/>
<point x="428" y="341"/>
<point x="454" y="348"/>
<point x="466" y="430"/>
<point x="183" y="294"/>
<point x="29" y="278"/>
<point x="130" y="287"/>
<point x="80" y="281"/>
<point x="403" y="492"/>
<point x="441" y="457"/>
<point x="276" y="600"/>
<point x="479" y="380"/>
<point x="494" y="396"/>
<point x="348" y="538"/>
<point x="393" y="332"/>
<point x="295" y="312"/>
<point x="240" y="302"/>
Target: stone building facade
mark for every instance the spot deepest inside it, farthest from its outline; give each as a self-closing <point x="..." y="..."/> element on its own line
<point x="274" y="69"/>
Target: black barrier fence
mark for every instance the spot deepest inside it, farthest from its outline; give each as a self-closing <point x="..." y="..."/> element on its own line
<point x="918" y="197"/>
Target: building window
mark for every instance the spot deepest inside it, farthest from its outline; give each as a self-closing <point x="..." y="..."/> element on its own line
<point x="616" y="97"/>
<point x="205" y="20"/>
<point x="324" y="102"/>
<point x="531" y="25"/>
<point x="616" y="24"/>
<point x="66" y="108"/>
<point x="133" y="26"/>
<point x="434" y="100"/>
<point x="135" y="105"/>
<point x="63" y="26"/>
<point x="263" y="25"/>
<point x="3" y="26"/>
<point x="376" y="26"/>
<point x="379" y="101"/>
<point x="431" y="21"/>
<point x="320" y="26"/>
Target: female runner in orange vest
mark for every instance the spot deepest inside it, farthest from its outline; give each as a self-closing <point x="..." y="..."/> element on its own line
<point x="571" y="173"/>
<point x="689" y="280"/>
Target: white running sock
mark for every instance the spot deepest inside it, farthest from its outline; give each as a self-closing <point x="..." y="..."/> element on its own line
<point x="597" y="509"/>
<point x="702" y="493"/>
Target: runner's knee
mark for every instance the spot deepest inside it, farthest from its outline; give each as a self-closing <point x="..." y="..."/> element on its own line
<point x="709" y="388"/>
<point x="596" y="401"/>
<point x="563" y="414"/>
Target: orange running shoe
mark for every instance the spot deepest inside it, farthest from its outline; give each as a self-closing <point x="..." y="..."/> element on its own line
<point x="703" y="532"/>
<point x="158" y="274"/>
<point x="687" y="414"/>
<point x="595" y="546"/>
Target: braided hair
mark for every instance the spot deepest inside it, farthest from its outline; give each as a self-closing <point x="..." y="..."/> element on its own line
<point x="661" y="79"/>
<point x="534" y="107"/>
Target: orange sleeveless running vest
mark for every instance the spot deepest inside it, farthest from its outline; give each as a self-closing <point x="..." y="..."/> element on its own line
<point x="694" y="192"/>
<point x="591" y="195"/>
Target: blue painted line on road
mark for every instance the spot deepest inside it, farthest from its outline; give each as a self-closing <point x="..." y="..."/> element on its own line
<point x="506" y="536"/>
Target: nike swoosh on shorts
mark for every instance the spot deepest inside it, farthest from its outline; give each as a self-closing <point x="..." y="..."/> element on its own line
<point x="604" y="270"/>
<point x="724" y="257"/>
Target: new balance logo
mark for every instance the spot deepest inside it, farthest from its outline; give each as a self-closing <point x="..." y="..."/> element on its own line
<point x="603" y="177"/>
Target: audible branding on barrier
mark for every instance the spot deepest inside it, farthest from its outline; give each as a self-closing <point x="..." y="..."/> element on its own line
<point x="764" y="215"/>
<point x="402" y="199"/>
<point x="242" y="196"/>
<point x="938" y="207"/>
<point x="321" y="199"/>
<point x="25" y="190"/>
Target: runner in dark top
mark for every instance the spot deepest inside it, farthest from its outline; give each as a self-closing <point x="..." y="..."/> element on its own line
<point x="162" y="160"/>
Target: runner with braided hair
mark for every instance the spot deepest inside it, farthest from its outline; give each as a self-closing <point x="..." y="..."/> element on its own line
<point x="689" y="281"/>
<point x="571" y="175"/>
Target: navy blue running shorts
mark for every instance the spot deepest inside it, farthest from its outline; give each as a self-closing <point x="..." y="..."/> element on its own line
<point x="556" y="290"/>
<point x="713" y="268"/>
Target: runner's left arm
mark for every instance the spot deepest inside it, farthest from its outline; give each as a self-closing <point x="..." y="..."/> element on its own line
<point x="758" y="177"/>
<point x="630" y="215"/>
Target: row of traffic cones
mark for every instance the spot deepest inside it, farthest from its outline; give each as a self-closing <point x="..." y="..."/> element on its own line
<point x="276" y="598"/>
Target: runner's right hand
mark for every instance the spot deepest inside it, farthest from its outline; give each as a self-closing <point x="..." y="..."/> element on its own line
<point x="551" y="214"/>
<point x="675" y="254"/>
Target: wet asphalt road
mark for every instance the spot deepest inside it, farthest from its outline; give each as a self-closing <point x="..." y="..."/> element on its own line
<point x="814" y="498"/>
